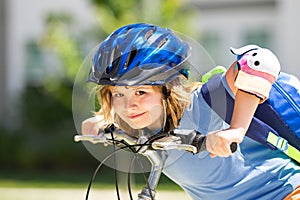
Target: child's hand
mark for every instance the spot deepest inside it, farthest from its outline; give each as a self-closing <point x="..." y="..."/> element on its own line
<point x="218" y="142"/>
<point x="92" y="126"/>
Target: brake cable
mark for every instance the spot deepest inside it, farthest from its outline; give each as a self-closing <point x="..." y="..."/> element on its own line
<point x="147" y="143"/>
<point x="108" y="156"/>
<point x="115" y="171"/>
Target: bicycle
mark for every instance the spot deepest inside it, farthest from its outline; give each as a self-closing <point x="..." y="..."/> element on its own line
<point x="149" y="146"/>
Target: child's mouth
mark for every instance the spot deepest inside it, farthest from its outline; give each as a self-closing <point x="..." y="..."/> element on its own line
<point x="134" y="116"/>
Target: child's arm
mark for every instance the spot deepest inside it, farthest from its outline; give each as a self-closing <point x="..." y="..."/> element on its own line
<point x="218" y="143"/>
<point x="245" y="103"/>
<point x="250" y="83"/>
<point x="244" y="108"/>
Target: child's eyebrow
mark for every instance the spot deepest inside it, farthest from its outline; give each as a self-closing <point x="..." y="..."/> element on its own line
<point x="115" y="91"/>
<point x="144" y="87"/>
<point x="122" y="89"/>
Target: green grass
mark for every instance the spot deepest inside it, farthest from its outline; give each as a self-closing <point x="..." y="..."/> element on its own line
<point x="75" y="179"/>
<point x="43" y="179"/>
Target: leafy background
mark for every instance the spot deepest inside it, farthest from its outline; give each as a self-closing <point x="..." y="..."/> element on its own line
<point x="41" y="148"/>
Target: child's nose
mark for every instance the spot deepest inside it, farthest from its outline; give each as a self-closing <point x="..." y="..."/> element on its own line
<point x="131" y="102"/>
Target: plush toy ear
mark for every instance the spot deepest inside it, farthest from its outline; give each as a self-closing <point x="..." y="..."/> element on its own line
<point x="245" y="49"/>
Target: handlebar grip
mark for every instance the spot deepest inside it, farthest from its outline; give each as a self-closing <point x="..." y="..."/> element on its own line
<point x="233" y="147"/>
<point x="200" y="140"/>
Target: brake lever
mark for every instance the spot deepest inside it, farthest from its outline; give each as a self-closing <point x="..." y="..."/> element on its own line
<point x="170" y="145"/>
<point x="95" y="139"/>
<point x="106" y="138"/>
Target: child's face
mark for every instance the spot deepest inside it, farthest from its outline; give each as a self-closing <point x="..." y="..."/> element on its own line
<point x="138" y="106"/>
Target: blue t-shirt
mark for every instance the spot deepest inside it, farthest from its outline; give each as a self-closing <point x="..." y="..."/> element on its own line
<point x="252" y="172"/>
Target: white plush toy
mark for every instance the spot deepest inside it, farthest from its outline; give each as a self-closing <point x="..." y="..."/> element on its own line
<point x="258" y="69"/>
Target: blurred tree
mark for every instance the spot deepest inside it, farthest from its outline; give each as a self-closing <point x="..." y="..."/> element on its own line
<point x="61" y="45"/>
<point x="174" y="14"/>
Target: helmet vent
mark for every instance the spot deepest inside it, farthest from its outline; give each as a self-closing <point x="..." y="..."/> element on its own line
<point x="162" y="42"/>
<point x="105" y="58"/>
<point x="149" y="34"/>
<point x="127" y="31"/>
<point x="130" y="57"/>
<point x="114" y="54"/>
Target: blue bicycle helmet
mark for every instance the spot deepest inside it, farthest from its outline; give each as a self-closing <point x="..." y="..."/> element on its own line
<point x="140" y="54"/>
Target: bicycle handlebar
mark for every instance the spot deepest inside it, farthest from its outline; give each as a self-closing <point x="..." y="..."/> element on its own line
<point x="168" y="143"/>
<point x="157" y="145"/>
<point x="96" y="139"/>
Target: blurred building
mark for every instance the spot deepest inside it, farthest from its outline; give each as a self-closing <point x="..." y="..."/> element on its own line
<point x="21" y="23"/>
<point x="221" y="24"/>
<point x="234" y="23"/>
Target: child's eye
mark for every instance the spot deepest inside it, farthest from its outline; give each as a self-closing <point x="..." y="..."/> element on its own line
<point x="118" y="95"/>
<point x="140" y="92"/>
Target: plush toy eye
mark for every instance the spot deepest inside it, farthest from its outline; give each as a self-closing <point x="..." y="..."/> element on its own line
<point x="256" y="63"/>
<point x="254" y="54"/>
